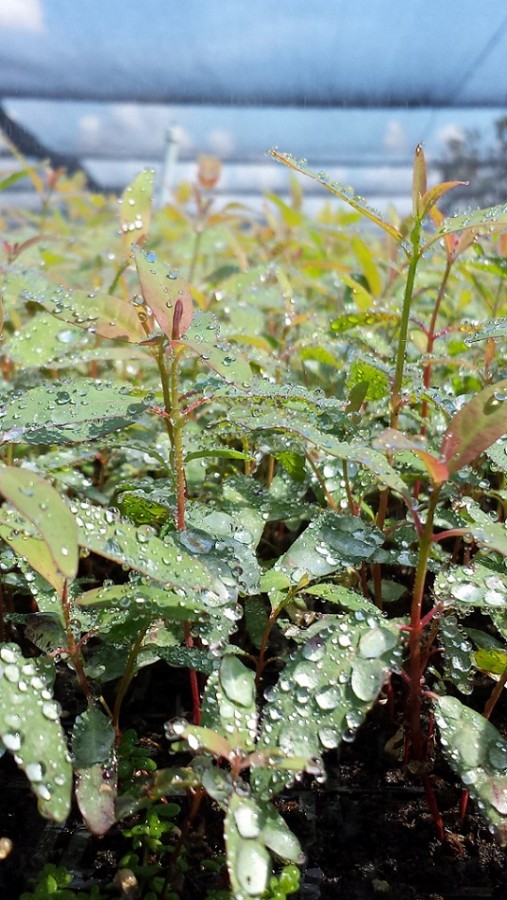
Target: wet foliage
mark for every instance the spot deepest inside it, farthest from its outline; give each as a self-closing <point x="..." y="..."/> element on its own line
<point x="269" y="456"/>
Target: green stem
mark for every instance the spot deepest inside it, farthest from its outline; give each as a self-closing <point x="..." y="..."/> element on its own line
<point x="405" y="316"/>
<point x="329" y="499"/>
<point x="178" y="460"/>
<point x="175" y="422"/>
<point x="126" y="679"/>
<point x="164" y="381"/>
<point x="72" y="646"/>
<point x="195" y="253"/>
<point x="431" y="335"/>
<point x="416" y="628"/>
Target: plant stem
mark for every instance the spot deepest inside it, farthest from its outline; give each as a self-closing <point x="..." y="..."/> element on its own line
<point x="416" y="661"/>
<point x="495" y="694"/>
<point x="126" y="679"/>
<point x="405" y="316"/>
<point x="431" y="336"/>
<point x="329" y="499"/>
<point x="164" y="381"/>
<point x="195" y="252"/>
<point x="175" y="422"/>
<point x="178" y="463"/>
<point x="194" y="683"/>
<point x="72" y="647"/>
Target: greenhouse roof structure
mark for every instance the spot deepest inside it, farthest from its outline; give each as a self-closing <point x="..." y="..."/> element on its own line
<point x="351" y="85"/>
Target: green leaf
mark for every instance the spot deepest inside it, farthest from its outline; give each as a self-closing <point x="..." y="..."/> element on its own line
<point x="143" y="603"/>
<point x="248" y="861"/>
<point x="96" y="788"/>
<point x="43" y="340"/>
<point x="342" y="596"/>
<point x="294" y="424"/>
<point x="208" y="739"/>
<point x="13" y="178"/>
<point x="457" y="651"/>
<point x="92" y="738"/>
<point x="492" y="218"/>
<point x="377" y="380"/>
<point x="482" y="527"/>
<point x="26" y="542"/>
<point x="231" y="694"/>
<point x="165" y="293"/>
<point x="256" y="619"/>
<point x="253" y="826"/>
<point x="478" y="754"/>
<point x="98" y="313"/>
<point x="277" y="835"/>
<point x="475" y="426"/>
<point x="216" y="354"/>
<point x="494" y="328"/>
<point x="30" y="729"/>
<point x="330" y="542"/>
<point x="326" y="689"/>
<point x="293" y="463"/>
<point x="41" y="504"/>
<point x="491" y="660"/>
<point x="344" y="193"/>
<point x="186" y="658"/>
<point x="135" y="209"/>
<point x="359" y="320"/>
<point x="475" y="585"/>
<point x="103" y="532"/>
<point x="218" y="453"/>
<point x="69" y="412"/>
<point x="93" y="751"/>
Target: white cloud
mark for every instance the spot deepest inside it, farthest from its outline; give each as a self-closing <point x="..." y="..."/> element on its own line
<point x="22" y="15"/>
<point x="183" y="139"/>
<point x="395" y="137"/>
<point x="221" y="142"/>
<point x="89" y="130"/>
<point x="451" y="132"/>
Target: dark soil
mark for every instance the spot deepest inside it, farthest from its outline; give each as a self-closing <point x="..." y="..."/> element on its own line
<point x="367" y="832"/>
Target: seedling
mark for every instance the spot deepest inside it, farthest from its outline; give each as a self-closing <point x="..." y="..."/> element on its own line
<point x="285" y="475"/>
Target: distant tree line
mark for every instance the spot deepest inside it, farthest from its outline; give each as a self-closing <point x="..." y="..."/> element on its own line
<point x="486" y="172"/>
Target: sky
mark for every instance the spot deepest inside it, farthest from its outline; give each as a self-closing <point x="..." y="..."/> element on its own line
<point x="106" y="79"/>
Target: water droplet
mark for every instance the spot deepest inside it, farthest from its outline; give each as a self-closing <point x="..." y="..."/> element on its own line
<point x="247" y="821"/>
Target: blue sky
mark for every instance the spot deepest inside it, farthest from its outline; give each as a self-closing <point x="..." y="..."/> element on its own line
<point x="119" y="55"/>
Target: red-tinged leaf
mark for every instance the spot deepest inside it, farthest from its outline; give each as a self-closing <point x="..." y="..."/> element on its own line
<point x="394" y="441"/>
<point x="434" y="194"/>
<point x="96" y="791"/>
<point x="103" y="314"/>
<point x="42" y="505"/>
<point x="454" y="244"/>
<point x="112" y="317"/>
<point x="465" y="239"/>
<point x="135" y="210"/>
<point x="167" y="295"/>
<point x="475" y="427"/>
<point x="419" y="181"/>
<point x="357" y="203"/>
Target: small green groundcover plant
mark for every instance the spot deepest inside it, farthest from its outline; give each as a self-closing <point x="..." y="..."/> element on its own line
<point x="272" y="454"/>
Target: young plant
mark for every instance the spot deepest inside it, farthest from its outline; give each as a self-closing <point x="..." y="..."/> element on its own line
<point x="296" y="502"/>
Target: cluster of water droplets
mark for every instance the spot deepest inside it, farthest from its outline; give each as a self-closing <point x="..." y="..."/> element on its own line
<point x="329" y="684"/>
<point x="478" y="753"/>
<point x="29" y="723"/>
